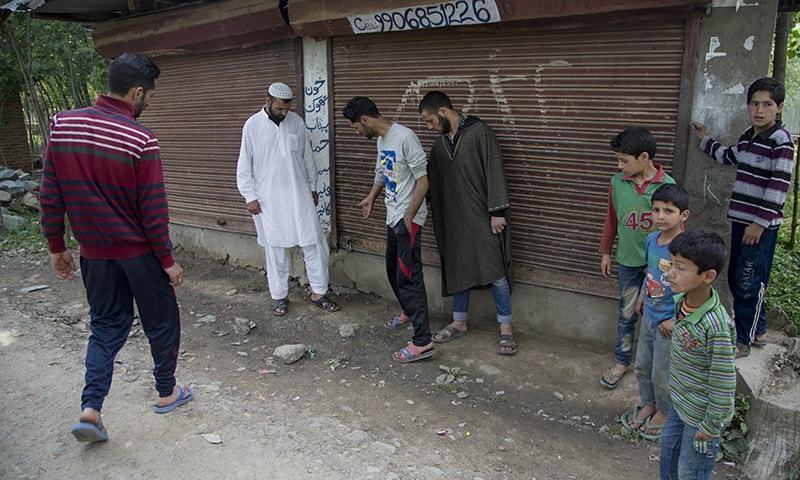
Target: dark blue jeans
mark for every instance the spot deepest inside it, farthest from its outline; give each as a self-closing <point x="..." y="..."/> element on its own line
<point x="111" y="288"/>
<point x="748" y="277"/>
<point x="630" y="283"/>
<point x="679" y="459"/>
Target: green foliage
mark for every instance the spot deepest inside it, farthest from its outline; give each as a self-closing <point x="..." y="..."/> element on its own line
<point x="29" y="241"/>
<point x="54" y="65"/>
<point x="793" y="49"/>
<point x="784" y="279"/>
<point x="25" y="241"/>
<point x="450" y="380"/>
<point x="785" y="274"/>
<point x="733" y="442"/>
<point x="60" y="56"/>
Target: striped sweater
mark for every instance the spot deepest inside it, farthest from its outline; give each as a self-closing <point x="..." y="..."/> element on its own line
<point x="702" y="368"/>
<point x="764" y="165"/>
<point x="104" y="170"/>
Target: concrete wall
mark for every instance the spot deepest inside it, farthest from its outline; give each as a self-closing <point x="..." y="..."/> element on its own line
<point x="734" y="49"/>
<point x="316" y="105"/>
<point x="14" y="152"/>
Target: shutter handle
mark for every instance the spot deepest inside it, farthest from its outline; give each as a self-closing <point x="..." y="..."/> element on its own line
<point x="221" y="222"/>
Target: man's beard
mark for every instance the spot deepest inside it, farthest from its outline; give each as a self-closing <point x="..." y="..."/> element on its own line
<point x="278" y="118"/>
<point x="139" y="108"/>
<point x="444" y="122"/>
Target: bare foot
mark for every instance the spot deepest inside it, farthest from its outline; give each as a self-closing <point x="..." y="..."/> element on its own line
<point x="644" y="413"/>
<point x="613" y="375"/>
<point x="164" y="401"/>
<point x="619" y="369"/>
<point x="450" y="332"/>
<point x="90" y="415"/>
<point x="460" y="326"/>
<point x="660" y="418"/>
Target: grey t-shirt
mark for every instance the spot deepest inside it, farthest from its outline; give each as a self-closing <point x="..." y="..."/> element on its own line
<point x="401" y="161"/>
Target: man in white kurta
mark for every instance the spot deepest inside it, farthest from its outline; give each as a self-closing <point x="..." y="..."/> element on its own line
<point x="277" y="177"/>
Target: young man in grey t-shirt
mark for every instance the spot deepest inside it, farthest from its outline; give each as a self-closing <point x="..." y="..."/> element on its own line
<point x="401" y="171"/>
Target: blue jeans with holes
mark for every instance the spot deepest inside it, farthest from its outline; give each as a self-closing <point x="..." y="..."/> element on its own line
<point x="501" y="293"/>
<point x="679" y="459"/>
<point x="748" y="276"/>
<point x="630" y="283"/>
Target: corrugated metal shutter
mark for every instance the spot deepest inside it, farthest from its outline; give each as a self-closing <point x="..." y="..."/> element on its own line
<point x="554" y="96"/>
<point x="200" y="106"/>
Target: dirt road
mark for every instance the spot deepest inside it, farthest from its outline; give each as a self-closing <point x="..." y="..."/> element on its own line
<point x="349" y="412"/>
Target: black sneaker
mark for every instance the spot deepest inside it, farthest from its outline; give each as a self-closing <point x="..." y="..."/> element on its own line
<point x="742" y="350"/>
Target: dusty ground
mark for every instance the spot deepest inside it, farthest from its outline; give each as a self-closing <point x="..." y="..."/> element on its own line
<point x="538" y="415"/>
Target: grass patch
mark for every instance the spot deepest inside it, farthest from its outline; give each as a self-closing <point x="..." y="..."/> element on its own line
<point x="785" y="277"/>
<point x="28" y="240"/>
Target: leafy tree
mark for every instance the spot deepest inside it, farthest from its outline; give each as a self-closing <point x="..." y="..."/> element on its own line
<point x="54" y="64"/>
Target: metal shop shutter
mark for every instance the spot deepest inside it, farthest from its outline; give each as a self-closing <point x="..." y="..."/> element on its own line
<point x="554" y="96"/>
<point x="197" y="113"/>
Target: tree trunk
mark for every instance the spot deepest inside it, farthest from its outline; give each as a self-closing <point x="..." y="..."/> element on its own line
<point x="44" y="124"/>
<point x="783" y="26"/>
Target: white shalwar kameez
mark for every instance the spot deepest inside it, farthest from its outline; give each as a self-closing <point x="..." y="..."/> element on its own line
<point x="276" y="168"/>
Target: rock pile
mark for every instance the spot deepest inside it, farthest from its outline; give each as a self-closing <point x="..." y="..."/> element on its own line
<point x="19" y="194"/>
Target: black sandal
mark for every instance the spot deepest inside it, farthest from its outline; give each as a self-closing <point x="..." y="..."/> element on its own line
<point x="507" y="345"/>
<point x="325" y="303"/>
<point x="280" y="307"/>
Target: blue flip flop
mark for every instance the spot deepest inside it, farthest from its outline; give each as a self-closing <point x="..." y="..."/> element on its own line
<point x="89" y="432"/>
<point x="177" y="403"/>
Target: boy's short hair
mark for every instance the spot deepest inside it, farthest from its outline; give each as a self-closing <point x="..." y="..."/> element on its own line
<point x="358" y="107"/>
<point x="129" y="71"/>
<point x="674" y="194"/>
<point x="767" y="84"/>
<point x="702" y="247"/>
<point x="634" y="141"/>
<point x="433" y="101"/>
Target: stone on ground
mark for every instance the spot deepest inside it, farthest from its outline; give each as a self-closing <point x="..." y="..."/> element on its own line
<point x="14" y="222"/>
<point x="348" y="330"/>
<point x="290" y="353"/>
<point x="14" y="187"/>
<point x="31" y="201"/>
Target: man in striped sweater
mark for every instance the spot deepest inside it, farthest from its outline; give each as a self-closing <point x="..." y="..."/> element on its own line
<point x="764" y="160"/>
<point x="103" y="169"/>
<point x="702" y="371"/>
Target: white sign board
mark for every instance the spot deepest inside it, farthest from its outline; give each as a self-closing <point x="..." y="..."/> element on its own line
<point x="444" y="14"/>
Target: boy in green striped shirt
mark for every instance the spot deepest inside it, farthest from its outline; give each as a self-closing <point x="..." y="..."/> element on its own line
<point x="702" y="370"/>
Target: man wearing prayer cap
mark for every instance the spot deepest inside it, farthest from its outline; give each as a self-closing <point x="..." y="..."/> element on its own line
<point x="277" y="177"/>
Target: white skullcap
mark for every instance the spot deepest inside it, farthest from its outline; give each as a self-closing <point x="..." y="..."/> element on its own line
<point x="280" y="90"/>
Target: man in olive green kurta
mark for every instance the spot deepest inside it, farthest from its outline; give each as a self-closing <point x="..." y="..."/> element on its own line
<point x="469" y="203"/>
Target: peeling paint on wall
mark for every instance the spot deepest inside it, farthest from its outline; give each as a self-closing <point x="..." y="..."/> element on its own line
<point x="733" y="3"/>
<point x="737" y="89"/>
<point x="713" y="45"/>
